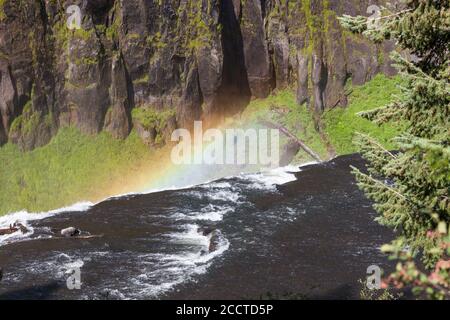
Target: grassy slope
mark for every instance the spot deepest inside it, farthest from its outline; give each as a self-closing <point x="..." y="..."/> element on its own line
<point x="288" y="113"/>
<point x="76" y="167"/>
<point x="72" y="167"/>
<point x="339" y="124"/>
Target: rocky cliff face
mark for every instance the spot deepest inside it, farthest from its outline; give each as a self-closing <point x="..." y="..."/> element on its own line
<point x="160" y="64"/>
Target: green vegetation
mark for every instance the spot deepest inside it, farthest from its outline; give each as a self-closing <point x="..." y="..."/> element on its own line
<point x="411" y="188"/>
<point x="16" y="124"/>
<point x="29" y="121"/>
<point x="83" y="34"/>
<point x="144" y="80"/>
<point x="86" y="61"/>
<point x="156" y="41"/>
<point x="112" y="33"/>
<point x="341" y="124"/>
<point x="76" y="166"/>
<point x="197" y="32"/>
<point x="61" y="34"/>
<point x="283" y="109"/>
<point x="71" y="167"/>
<point x="377" y="295"/>
<point x="2" y="10"/>
<point x="151" y="119"/>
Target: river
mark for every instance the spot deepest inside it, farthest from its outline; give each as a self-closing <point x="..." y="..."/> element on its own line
<point x="305" y="233"/>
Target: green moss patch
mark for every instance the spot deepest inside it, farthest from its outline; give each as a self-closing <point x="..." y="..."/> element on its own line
<point x="151" y="119"/>
<point x="342" y="123"/>
<point x="339" y="125"/>
<point x="70" y="168"/>
<point x="282" y="108"/>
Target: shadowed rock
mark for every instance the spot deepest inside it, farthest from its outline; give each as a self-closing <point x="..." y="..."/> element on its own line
<point x="198" y="59"/>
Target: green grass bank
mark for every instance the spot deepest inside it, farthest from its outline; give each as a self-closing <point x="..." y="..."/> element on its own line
<point x="75" y="167"/>
<point x="72" y="167"/>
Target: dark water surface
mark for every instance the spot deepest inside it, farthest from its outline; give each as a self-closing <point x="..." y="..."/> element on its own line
<point x="314" y="237"/>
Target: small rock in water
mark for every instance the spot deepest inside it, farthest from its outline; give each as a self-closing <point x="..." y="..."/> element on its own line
<point x="205" y="231"/>
<point x="70" y="232"/>
<point x="20" y="226"/>
<point x="214" y="243"/>
<point x="214" y="239"/>
<point x="63" y="258"/>
<point x="109" y="294"/>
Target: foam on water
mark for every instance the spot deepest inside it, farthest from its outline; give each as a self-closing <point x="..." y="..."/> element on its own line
<point x="158" y="273"/>
<point x="209" y="213"/>
<point x="268" y="179"/>
<point x="25" y="218"/>
<point x="181" y="267"/>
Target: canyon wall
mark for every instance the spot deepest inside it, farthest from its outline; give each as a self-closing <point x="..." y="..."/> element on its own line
<point x="155" y="65"/>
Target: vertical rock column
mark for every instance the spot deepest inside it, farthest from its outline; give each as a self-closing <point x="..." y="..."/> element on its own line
<point x="117" y="119"/>
<point x="257" y="58"/>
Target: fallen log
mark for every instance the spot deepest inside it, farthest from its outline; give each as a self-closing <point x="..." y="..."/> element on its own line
<point x="8" y="231"/>
<point x="16" y="227"/>
<point x="339" y="100"/>
<point x="287" y="133"/>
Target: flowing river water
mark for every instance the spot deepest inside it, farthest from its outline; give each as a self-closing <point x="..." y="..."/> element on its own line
<point x="289" y="232"/>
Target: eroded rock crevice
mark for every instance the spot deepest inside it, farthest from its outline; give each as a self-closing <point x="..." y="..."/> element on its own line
<point x="158" y="65"/>
<point x="234" y="92"/>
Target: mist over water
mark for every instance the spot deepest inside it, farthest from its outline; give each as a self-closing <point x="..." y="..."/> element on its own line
<point x="228" y="238"/>
<point x="152" y="241"/>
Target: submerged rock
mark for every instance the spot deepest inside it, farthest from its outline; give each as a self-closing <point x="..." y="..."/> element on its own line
<point x="214" y="237"/>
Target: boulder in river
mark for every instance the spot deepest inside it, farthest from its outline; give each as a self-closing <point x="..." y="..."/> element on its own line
<point x="70" y="232"/>
<point x="214" y="238"/>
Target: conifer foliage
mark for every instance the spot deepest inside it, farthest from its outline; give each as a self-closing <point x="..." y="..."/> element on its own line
<point x="410" y="187"/>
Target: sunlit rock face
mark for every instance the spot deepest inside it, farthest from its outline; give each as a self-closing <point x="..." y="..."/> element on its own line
<point x="176" y="60"/>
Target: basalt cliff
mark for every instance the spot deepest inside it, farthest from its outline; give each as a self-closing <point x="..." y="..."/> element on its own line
<point x="155" y="65"/>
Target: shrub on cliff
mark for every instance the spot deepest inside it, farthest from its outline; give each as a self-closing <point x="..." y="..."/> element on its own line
<point x="411" y="187"/>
